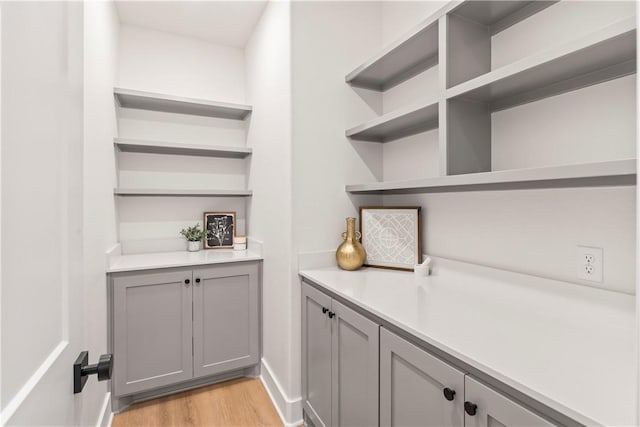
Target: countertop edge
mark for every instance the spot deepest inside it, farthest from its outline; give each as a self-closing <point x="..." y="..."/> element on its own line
<point x="132" y="268"/>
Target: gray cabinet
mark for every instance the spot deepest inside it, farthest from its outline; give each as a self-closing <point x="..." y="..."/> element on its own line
<point x="412" y="386"/>
<point x="339" y="363"/>
<point x="225" y="319"/>
<point x="173" y="326"/>
<point x="152" y="330"/>
<point x="490" y="408"/>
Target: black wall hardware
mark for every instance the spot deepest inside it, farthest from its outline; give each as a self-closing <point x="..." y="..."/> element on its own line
<point x="470" y="408"/>
<point x="82" y="369"/>
<point x="324" y="310"/>
<point x="449" y="394"/>
<point x="331" y="314"/>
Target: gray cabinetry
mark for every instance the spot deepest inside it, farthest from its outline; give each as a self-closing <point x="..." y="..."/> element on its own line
<point x="339" y="363"/>
<point x="151" y="330"/>
<point x="171" y="328"/>
<point x="490" y="408"/>
<point x="225" y="319"/>
<point x="412" y="386"/>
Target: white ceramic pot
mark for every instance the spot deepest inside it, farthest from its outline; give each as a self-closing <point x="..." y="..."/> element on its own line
<point x="194" y="246"/>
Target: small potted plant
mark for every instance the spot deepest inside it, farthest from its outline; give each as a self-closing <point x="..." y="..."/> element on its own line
<point x="194" y="236"/>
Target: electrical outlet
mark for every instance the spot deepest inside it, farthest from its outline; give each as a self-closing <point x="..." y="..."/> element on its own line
<point x="589" y="263"/>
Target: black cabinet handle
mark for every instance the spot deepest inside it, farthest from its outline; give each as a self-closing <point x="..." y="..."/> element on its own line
<point x="470" y="408"/>
<point x="331" y="314"/>
<point x="324" y="310"/>
<point x="187" y="281"/>
<point x="198" y="280"/>
<point x="449" y="394"/>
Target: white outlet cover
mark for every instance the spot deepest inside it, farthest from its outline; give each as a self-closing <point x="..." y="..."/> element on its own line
<point x="589" y="263"/>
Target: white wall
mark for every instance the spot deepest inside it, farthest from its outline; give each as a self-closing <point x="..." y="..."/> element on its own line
<point x="268" y="79"/>
<point x="533" y="231"/>
<point x="329" y="39"/>
<point x="99" y="216"/>
<point x="183" y="66"/>
<point x="161" y="62"/>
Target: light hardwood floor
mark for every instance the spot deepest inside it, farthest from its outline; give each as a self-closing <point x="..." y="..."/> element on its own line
<point x="241" y="402"/>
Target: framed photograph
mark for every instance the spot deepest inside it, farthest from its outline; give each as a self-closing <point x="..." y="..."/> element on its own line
<point x="391" y="236"/>
<point x="221" y="227"/>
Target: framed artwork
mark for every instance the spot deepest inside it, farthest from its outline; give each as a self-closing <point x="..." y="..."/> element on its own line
<point x="220" y="228"/>
<point x="391" y="236"/>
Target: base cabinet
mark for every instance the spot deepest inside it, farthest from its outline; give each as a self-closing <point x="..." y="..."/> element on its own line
<point x="172" y="326"/>
<point x="339" y="363"/>
<point x="358" y="373"/>
<point x="485" y="407"/>
<point x="152" y="331"/>
<point x="416" y="388"/>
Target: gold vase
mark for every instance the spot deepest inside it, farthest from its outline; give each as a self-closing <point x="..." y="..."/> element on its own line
<point x="350" y="254"/>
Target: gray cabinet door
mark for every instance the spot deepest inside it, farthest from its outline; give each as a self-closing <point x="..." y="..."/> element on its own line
<point x="412" y="382"/>
<point x="151" y="331"/>
<point x="225" y="318"/>
<point x="495" y="410"/>
<point x="355" y="350"/>
<point x="316" y="356"/>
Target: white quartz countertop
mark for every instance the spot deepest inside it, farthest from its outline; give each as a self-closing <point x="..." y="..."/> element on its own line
<point x="570" y="347"/>
<point x="137" y="262"/>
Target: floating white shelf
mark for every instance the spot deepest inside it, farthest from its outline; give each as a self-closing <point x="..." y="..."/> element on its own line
<point x="407" y="57"/>
<point x="128" y="98"/>
<point x="148" y="192"/>
<point x="616" y="172"/>
<point x="397" y="124"/>
<point x="603" y="55"/>
<point x="164" y="147"/>
<point x="500" y="15"/>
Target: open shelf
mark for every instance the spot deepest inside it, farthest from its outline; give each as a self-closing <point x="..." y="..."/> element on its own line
<point x="164" y="147"/>
<point x="149" y="192"/>
<point x="397" y="124"/>
<point x="603" y="55"/>
<point x="140" y="100"/>
<point x="616" y="172"/>
<point x="407" y="57"/>
<point x="500" y="15"/>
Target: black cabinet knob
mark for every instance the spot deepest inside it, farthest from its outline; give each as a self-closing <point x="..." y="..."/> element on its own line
<point x="187" y="281"/>
<point x="331" y="314"/>
<point x="198" y="280"/>
<point x="449" y="394"/>
<point x="470" y="408"/>
<point x="324" y="310"/>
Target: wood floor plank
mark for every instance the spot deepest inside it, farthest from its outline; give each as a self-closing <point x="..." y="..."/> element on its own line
<point x="238" y="403"/>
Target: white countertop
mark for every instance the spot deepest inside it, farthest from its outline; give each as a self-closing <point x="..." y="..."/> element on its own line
<point x="570" y="347"/>
<point x="136" y="262"/>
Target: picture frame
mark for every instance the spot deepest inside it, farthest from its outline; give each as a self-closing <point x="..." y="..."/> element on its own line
<point x="391" y="236"/>
<point x="221" y="227"/>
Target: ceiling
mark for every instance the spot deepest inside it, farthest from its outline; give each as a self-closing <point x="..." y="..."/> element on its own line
<point x="227" y="23"/>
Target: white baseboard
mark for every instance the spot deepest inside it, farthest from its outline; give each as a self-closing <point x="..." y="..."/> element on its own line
<point x="106" y="415"/>
<point x="289" y="410"/>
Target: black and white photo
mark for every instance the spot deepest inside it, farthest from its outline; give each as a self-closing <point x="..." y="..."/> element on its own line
<point x="220" y="227"/>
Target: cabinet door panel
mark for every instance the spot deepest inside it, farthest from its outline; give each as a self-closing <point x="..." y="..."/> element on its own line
<point x="355" y="368"/>
<point x="316" y="356"/>
<point x="152" y="331"/>
<point x="225" y="319"/>
<point x="412" y="383"/>
<point x="496" y="410"/>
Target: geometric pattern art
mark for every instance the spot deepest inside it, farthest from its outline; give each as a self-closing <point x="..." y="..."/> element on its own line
<point x="390" y="237"/>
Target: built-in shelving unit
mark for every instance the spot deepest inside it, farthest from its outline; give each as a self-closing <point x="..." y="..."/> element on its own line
<point x="397" y="124"/>
<point x="606" y="54"/>
<point x="128" y="98"/>
<point x="617" y="172"/>
<point x="412" y="54"/>
<point x="165" y="147"/>
<point x="458" y="38"/>
<point x="153" y="192"/>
